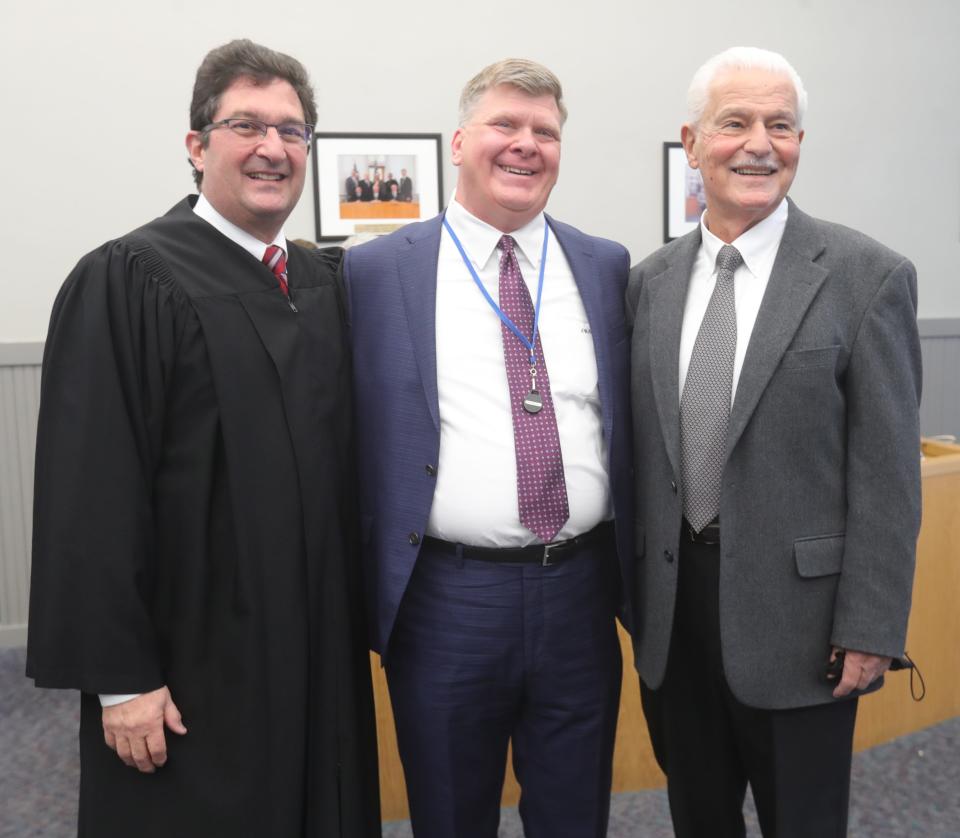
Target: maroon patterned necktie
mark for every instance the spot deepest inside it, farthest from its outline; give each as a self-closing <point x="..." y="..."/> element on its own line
<point x="276" y="260"/>
<point x="541" y="489"/>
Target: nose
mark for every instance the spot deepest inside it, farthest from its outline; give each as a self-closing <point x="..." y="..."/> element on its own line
<point x="271" y="146"/>
<point x="524" y="141"/>
<point x="758" y="140"/>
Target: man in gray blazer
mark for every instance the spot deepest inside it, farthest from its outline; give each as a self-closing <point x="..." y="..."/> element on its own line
<point x="775" y="392"/>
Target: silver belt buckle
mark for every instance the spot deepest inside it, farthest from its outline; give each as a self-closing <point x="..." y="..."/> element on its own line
<point x="547" y="549"/>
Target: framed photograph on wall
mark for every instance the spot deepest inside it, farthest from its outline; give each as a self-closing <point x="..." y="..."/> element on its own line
<point x="374" y="183"/>
<point x="683" y="196"/>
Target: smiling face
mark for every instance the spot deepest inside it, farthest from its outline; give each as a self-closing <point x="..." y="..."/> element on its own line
<point x="255" y="183"/>
<point x="509" y="156"/>
<point x="746" y="146"/>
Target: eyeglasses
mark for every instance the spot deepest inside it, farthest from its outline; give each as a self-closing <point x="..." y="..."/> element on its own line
<point x="294" y="133"/>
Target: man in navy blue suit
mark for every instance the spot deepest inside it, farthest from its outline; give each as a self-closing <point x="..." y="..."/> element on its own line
<point x="492" y="401"/>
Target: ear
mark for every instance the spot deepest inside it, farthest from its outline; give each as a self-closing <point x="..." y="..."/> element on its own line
<point x="688" y="136"/>
<point x="456" y="147"/>
<point x="194" y="144"/>
<point x="800" y="137"/>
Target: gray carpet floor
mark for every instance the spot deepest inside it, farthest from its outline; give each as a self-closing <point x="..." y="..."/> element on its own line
<point x="908" y="787"/>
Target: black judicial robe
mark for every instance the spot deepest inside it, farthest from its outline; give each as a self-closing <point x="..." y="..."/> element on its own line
<point x="195" y="527"/>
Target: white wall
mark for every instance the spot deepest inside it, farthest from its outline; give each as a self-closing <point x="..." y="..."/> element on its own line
<point x="95" y="98"/>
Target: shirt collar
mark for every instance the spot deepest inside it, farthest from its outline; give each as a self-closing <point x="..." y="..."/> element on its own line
<point x="480" y="239"/>
<point x="237" y="235"/>
<point x="756" y="245"/>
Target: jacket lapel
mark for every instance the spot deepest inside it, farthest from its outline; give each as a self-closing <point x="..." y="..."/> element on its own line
<point x="667" y="293"/>
<point x="579" y="252"/>
<point x="794" y="282"/>
<point x="417" y="269"/>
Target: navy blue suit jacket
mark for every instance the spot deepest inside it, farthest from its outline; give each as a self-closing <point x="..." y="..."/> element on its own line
<point x="391" y="286"/>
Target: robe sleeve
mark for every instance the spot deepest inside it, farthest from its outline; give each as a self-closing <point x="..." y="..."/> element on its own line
<point x="110" y="347"/>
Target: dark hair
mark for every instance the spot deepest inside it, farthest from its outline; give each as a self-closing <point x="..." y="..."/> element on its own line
<point x="222" y="66"/>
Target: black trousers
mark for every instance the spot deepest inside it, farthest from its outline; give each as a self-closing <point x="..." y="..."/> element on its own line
<point x="710" y="746"/>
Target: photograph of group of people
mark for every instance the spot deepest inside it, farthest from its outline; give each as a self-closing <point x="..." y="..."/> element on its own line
<point x="377" y="185"/>
<point x="369" y="179"/>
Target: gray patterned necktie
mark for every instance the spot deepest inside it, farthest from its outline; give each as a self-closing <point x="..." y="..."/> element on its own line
<point x="705" y="404"/>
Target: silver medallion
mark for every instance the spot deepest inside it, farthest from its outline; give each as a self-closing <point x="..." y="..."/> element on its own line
<point x="533" y="402"/>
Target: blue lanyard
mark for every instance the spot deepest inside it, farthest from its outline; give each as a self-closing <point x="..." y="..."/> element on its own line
<point x="530" y="343"/>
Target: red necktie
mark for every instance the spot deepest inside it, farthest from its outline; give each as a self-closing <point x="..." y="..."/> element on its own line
<point x="276" y="260"/>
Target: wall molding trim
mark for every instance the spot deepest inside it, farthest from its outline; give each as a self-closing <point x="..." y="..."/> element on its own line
<point x="939" y="327"/>
<point x="21" y="354"/>
<point x="13" y="637"/>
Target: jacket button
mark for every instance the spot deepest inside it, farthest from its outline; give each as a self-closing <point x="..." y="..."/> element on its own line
<point x="414" y="539"/>
<point x="673" y="486"/>
<point x="432" y="470"/>
<point x="668" y="556"/>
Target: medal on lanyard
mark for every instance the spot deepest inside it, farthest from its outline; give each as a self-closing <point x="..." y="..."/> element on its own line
<point x="533" y="401"/>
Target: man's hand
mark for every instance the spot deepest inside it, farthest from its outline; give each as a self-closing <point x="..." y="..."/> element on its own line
<point x="860" y="670"/>
<point x="134" y="729"/>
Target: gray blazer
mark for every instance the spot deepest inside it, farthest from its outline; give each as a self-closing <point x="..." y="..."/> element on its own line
<point x="820" y="504"/>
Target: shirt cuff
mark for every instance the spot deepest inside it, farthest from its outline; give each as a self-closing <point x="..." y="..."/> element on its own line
<point x="110" y="700"/>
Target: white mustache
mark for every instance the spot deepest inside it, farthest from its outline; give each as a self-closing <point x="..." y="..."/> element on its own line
<point x="756" y="163"/>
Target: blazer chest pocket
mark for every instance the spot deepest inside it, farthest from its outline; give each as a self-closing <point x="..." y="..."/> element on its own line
<point x="819" y="556"/>
<point x="802" y="359"/>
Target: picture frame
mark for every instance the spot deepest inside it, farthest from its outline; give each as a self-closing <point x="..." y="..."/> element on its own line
<point x="683" y="195"/>
<point x="394" y="179"/>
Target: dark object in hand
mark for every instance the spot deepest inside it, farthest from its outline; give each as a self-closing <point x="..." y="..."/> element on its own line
<point x="835" y="667"/>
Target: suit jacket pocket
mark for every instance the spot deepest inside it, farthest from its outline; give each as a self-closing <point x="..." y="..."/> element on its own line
<point x="819" y="556"/>
<point x="800" y="359"/>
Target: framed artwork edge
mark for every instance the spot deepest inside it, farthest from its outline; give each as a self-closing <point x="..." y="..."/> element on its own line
<point x="433" y="156"/>
<point x="675" y="221"/>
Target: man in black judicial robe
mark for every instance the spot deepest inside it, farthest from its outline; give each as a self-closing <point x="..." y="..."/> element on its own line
<point x="194" y="547"/>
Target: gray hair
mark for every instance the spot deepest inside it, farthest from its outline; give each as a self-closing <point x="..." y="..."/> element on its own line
<point x="532" y="78"/>
<point x="741" y="58"/>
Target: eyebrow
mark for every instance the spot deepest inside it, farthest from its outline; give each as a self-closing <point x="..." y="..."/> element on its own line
<point x="243" y="114"/>
<point x="740" y="110"/>
<point x="515" y="116"/>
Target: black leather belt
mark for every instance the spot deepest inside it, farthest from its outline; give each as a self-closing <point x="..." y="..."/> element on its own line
<point x="542" y="554"/>
<point x="710" y="534"/>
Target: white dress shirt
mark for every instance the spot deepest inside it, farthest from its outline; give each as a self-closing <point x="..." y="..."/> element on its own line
<point x="758" y="246"/>
<point x="251" y="244"/>
<point x="475" y="501"/>
<point x="257" y="249"/>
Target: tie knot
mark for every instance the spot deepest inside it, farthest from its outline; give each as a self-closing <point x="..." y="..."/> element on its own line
<point x="276" y="260"/>
<point x="506" y="245"/>
<point x="729" y="258"/>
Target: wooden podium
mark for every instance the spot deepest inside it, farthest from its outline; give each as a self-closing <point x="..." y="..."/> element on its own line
<point x="932" y="641"/>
